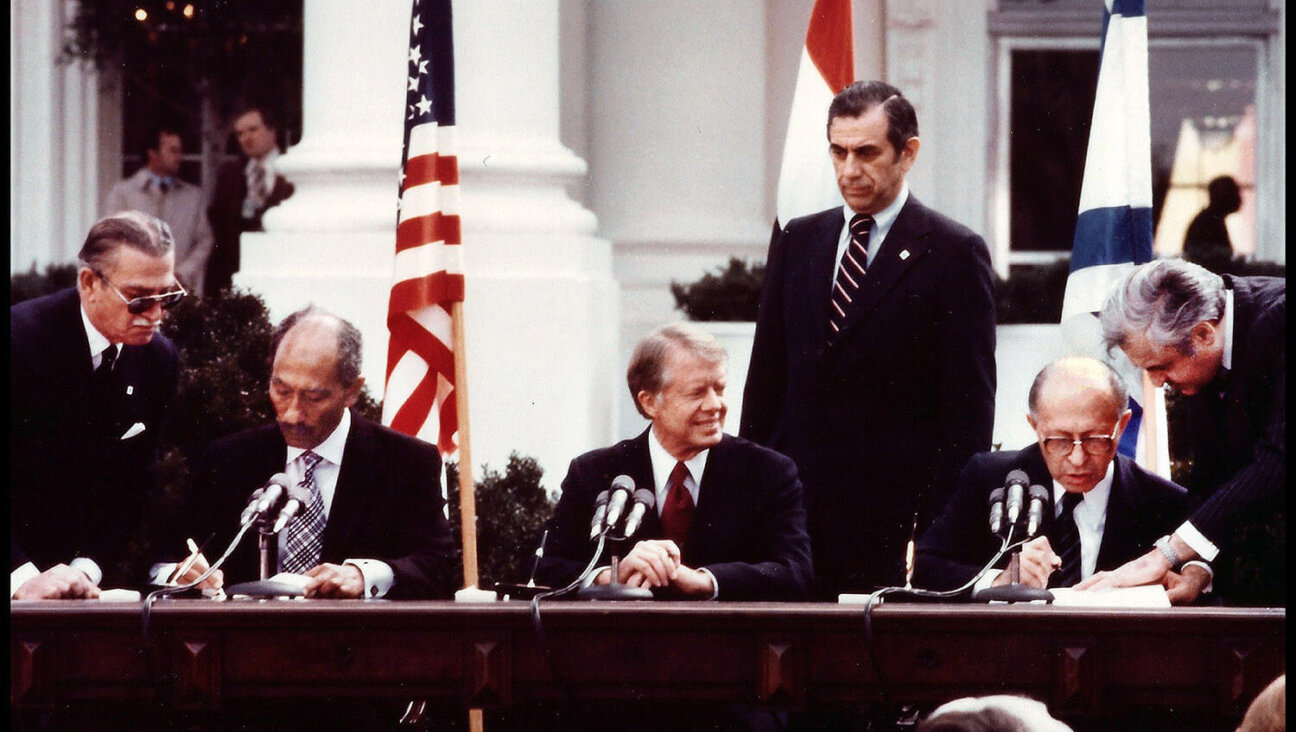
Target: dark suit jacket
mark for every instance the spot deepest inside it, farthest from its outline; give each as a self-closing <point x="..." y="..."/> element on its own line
<point x="75" y="487"/>
<point x="1141" y="508"/>
<point x="748" y="529"/>
<point x="1239" y="443"/>
<point x="881" y="423"/>
<point x="387" y="505"/>
<point x="226" y="217"/>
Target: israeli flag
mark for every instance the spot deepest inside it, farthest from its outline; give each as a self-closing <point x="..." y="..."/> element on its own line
<point x="1114" y="228"/>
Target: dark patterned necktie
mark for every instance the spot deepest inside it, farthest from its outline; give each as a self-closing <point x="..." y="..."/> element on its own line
<point x="306" y="532"/>
<point x="1065" y="539"/>
<point x="850" y="274"/>
<point x="677" y="512"/>
<point x="102" y="376"/>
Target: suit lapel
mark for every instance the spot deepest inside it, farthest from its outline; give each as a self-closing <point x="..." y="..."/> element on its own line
<point x="905" y="245"/>
<point x="349" y="508"/>
<point x="820" y="262"/>
<point x="1120" y="508"/>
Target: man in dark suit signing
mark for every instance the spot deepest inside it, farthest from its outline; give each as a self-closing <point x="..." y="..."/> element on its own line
<point x="728" y="522"/>
<point x="245" y="188"/>
<point x="1103" y="508"/>
<point x="873" y="364"/>
<point x="89" y="385"/>
<point x="374" y="525"/>
<point x="1220" y="342"/>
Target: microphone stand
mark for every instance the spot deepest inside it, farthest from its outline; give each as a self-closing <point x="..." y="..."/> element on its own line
<point x="1014" y="591"/>
<point x="615" y="589"/>
<point x="267" y="564"/>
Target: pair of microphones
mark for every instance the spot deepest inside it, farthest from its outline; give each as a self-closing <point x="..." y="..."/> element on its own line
<point x="610" y="508"/>
<point x="275" y="504"/>
<point x="1007" y="503"/>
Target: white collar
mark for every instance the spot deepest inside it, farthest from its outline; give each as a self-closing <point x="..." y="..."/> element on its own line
<point x="1226" y="325"/>
<point x="267" y="162"/>
<point x="1093" y="500"/>
<point x="883" y="219"/>
<point x="332" y="447"/>
<point x="663" y="464"/>
<point x="98" y="343"/>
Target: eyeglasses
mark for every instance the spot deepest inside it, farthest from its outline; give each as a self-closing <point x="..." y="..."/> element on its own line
<point x="138" y="305"/>
<point x="1060" y="447"/>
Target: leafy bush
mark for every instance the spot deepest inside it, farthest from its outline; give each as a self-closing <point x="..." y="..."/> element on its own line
<point x="732" y="293"/>
<point x="511" y="513"/>
<point x="26" y="285"/>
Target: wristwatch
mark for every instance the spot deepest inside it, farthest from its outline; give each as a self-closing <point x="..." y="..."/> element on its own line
<point x="1163" y="544"/>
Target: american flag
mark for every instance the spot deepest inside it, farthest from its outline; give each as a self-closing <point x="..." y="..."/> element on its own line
<point x="419" y="397"/>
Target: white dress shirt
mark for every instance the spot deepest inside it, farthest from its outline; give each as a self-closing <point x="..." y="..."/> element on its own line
<point x="882" y="221"/>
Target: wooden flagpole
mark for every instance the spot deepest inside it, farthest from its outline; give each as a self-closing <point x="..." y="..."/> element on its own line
<point x="1151" y="427"/>
<point x="467" y="488"/>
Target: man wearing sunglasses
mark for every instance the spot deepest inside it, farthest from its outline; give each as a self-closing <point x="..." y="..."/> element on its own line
<point x="1078" y="409"/>
<point x="90" y="382"/>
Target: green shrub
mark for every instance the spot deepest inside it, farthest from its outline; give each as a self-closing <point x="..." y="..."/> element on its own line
<point x="732" y="293"/>
<point x="512" y="509"/>
<point x="26" y="285"/>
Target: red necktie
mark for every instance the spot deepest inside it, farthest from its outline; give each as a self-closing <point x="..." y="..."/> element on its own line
<point x="677" y="513"/>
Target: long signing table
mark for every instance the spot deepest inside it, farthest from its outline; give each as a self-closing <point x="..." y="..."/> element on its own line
<point x="1083" y="662"/>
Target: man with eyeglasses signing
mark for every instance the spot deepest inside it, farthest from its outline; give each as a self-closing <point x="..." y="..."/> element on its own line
<point x="90" y="382"/>
<point x="1103" y="509"/>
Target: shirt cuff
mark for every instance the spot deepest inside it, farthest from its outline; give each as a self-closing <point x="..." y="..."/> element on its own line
<point x="1189" y="535"/>
<point x="715" y="584"/>
<point x="161" y="572"/>
<point x="89" y="568"/>
<point x="987" y="580"/>
<point x="1210" y="574"/>
<point x="19" y="577"/>
<point x="377" y="575"/>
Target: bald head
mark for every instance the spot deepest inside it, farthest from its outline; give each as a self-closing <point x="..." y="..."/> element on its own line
<point x="1074" y="376"/>
<point x="314" y="375"/>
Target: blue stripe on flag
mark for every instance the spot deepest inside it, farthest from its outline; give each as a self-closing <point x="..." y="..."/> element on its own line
<point x="1129" y="438"/>
<point x="1114" y="234"/>
<point x="1129" y="8"/>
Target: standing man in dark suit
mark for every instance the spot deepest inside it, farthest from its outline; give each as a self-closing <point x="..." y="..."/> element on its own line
<point x="873" y="365"/>
<point x="728" y="522"/>
<point x="1221" y="343"/>
<point x="382" y="530"/>
<point x="89" y="385"/>
<point x="245" y="188"/>
<point x="1103" y="508"/>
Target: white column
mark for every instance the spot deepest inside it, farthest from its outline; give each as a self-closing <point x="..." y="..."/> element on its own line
<point x="53" y="140"/>
<point x="540" y="302"/>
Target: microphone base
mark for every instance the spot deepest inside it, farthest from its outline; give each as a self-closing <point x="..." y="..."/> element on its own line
<point x="1012" y="593"/>
<point x="614" y="591"/>
<point x="265" y="588"/>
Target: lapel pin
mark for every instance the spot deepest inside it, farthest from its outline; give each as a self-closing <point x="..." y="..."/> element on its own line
<point x="130" y="390"/>
<point x="904" y="254"/>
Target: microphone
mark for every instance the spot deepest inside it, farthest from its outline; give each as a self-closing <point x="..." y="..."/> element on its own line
<point x="1015" y="486"/>
<point x="996" y="510"/>
<point x="644" y="501"/>
<point x="618" y="496"/>
<point x="298" y="497"/>
<point x="267" y="498"/>
<point x="1035" y="516"/>
<point x="600" y="511"/>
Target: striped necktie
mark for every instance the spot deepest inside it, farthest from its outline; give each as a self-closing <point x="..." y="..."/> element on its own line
<point x="850" y="274"/>
<point x="306" y="532"/>
<point x="1065" y="539"/>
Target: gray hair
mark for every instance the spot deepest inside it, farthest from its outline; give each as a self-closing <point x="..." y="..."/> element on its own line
<point x="135" y="229"/>
<point x="349" y="340"/>
<point x="1115" y="385"/>
<point x="647" y="371"/>
<point x="1162" y="300"/>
